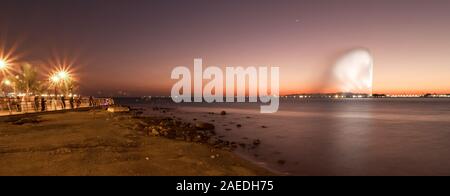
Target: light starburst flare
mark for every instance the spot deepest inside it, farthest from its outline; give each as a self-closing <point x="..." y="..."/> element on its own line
<point x="3" y="64"/>
<point x="59" y="76"/>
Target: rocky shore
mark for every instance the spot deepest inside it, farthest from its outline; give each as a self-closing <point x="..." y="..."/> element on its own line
<point x="175" y="129"/>
<point x="101" y="143"/>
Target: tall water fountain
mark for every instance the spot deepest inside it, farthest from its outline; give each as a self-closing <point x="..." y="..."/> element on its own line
<point x="353" y="72"/>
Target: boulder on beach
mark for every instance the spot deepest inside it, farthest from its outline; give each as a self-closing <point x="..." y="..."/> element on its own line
<point x="154" y="132"/>
<point x="281" y="162"/>
<point x="138" y="127"/>
<point x="256" y="142"/>
<point x="118" y="109"/>
<point x="204" y="126"/>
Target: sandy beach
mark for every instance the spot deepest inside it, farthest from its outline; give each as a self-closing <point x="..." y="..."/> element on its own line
<point x="100" y="143"/>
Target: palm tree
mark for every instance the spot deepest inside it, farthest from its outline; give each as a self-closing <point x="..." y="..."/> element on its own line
<point x="26" y="81"/>
<point x="68" y="86"/>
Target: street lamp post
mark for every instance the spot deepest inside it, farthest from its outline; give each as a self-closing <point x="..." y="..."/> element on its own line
<point x="55" y="80"/>
<point x="59" y="78"/>
<point x="3" y="68"/>
<point x="7" y="83"/>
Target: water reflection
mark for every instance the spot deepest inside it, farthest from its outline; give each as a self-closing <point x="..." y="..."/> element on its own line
<point x="340" y="137"/>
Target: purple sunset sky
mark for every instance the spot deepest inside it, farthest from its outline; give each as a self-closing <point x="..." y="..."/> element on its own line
<point x="133" y="45"/>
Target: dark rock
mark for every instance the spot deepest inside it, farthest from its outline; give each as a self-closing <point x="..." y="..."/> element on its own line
<point x="256" y="142"/>
<point x="188" y="138"/>
<point x="142" y="123"/>
<point x="138" y="127"/>
<point x="138" y="113"/>
<point x="154" y="132"/>
<point x="204" y="126"/>
<point x="281" y="162"/>
<point x="223" y="113"/>
<point x="226" y="148"/>
<point x="121" y="117"/>
<point x="263" y="127"/>
<point x="234" y="145"/>
<point x="213" y="141"/>
<point x="197" y="138"/>
<point x="238" y="125"/>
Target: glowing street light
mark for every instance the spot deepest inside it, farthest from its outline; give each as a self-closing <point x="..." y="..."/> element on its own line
<point x="3" y="64"/>
<point x="58" y="78"/>
<point x="6" y="82"/>
<point x="63" y="75"/>
<point x="54" y="79"/>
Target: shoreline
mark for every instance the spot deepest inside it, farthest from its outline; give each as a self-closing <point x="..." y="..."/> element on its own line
<point x="330" y="138"/>
<point x="225" y="124"/>
<point x="100" y="143"/>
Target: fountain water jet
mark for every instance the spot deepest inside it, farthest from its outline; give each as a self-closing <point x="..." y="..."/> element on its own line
<point x="353" y="72"/>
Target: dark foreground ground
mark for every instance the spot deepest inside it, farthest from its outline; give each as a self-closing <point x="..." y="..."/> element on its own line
<point x="97" y="143"/>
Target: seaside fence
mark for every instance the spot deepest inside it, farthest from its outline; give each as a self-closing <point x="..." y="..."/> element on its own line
<point x="33" y="104"/>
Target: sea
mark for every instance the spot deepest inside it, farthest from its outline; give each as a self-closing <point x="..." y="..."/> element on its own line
<point x="367" y="136"/>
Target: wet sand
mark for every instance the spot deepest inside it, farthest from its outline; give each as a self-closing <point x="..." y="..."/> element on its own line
<point x="97" y="143"/>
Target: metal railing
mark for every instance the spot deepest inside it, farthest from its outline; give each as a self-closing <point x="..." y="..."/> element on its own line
<point x="31" y="104"/>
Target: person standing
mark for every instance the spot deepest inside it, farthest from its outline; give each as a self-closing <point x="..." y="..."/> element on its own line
<point x="79" y="101"/>
<point x="91" y="101"/>
<point x="36" y="103"/>
<point x="18" y="104"/>
<point x="71" y="102"/>
<point x="9" y="105"/>
<point x="43" y="104"/>
<point x="63" y="102"/>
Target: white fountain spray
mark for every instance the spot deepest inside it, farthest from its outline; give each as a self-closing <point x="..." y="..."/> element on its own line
<point x="353" y="72"/>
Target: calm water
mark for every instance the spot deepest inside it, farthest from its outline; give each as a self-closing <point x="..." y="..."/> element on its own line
<point x="334" y="137"/>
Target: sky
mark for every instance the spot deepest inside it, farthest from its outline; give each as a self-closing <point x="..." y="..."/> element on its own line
<point x="132" y="46"/>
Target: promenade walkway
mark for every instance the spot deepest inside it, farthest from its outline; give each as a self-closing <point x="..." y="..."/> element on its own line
<point x="14" y="107"/>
